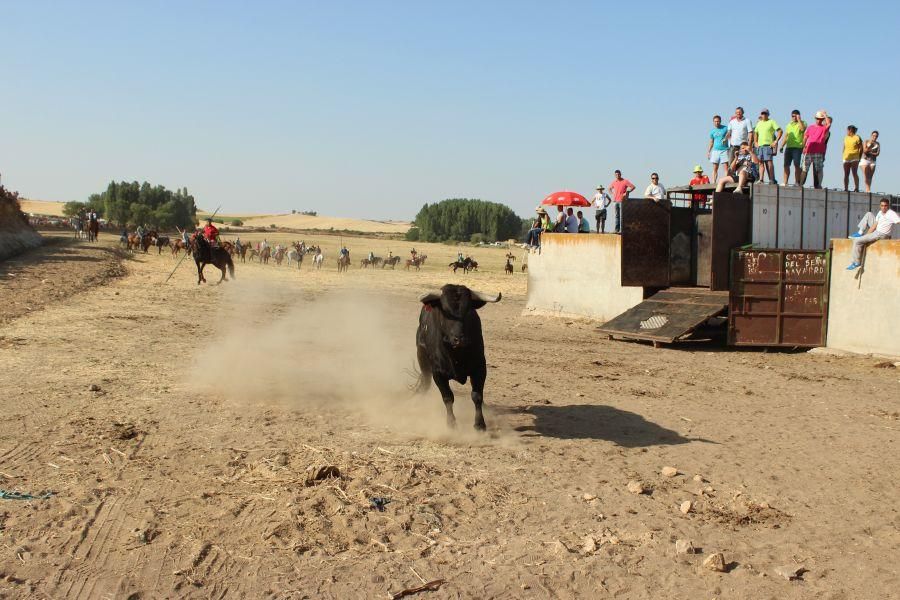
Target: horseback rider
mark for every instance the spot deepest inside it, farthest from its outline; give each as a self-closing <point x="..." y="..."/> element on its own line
<point x="211" y="233"/>
<point x="237" y="244"/>
<point x="459" y="257"/>
<point x="344" y="251"/>
<point x="371" y="256"/>
<point x="93" y="216"/>
<point x="413" y="252"/>
<point x="140" y="233"/>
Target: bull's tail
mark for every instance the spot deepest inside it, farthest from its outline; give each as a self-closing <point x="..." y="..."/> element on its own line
<point x="422" y="381"/>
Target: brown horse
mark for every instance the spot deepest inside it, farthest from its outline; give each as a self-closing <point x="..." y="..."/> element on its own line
<point x="243" y="252"/>
<point x="177" y="247"/>
<point x="93" y="231"/>
<point x="343" y="263"/>
<point x="264" y="255"/>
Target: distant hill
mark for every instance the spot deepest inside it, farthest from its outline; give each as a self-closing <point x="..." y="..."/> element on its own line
<point x="288" y="221"/>
<point x="42" y="207"/>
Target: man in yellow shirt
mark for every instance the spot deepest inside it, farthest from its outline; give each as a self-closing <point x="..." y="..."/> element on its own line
<point x="766" y="144"/>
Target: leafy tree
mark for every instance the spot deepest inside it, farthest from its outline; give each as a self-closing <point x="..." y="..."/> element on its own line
<point x="237" y="222"/>
<point x="73" y="208"/>
<point x="134" y="203"/>
<point x="413" y="234"/>
<point x="457" y="219"/>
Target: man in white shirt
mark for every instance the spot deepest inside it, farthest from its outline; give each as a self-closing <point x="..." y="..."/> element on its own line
<point x="571" y="221"/>
<point x="560" y="223"/>
<point x="655" y="191"/>
<point x="600" y="201"/>
<point x="871" y="229"/>
<point x="740" y="130"/>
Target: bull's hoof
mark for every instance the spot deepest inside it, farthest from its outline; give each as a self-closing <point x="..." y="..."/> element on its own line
<point x="480" y="426"/>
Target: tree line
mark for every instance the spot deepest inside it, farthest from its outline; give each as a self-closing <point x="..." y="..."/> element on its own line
<point x="131" y="204"/>
<point x="464" y="220"/>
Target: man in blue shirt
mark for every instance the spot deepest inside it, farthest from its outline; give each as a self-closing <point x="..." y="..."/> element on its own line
<point x="717" y="152"/>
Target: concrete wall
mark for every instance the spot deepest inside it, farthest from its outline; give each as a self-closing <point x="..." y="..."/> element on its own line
<point x="579" y="275"/>
<point x="864" y="305"/>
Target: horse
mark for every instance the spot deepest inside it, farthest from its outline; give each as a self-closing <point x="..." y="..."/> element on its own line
<point x="278" y="256"/>
<point x="343" y="262"/>
<point x="204" y="254"/>
<point x="318" y="259"/>
<point x="414" y="262"/>
<point x="264" y="255"/>
<point x="78" y="226"/>
<point x="148" y="240"/>
<point x="177" y="247"/>
<point x="243" y="252"/>
<point x="227" y="247"/>
<point x="254" y="253"/>
<point x="467" y="264"/>
<point x="93" y="230"/>
<point x="161" y="242"/>
<point x="392" y="261"/>
<point x="508" y="268"/>
<point x="510" y="257"/>
<point x="296" y="254"/>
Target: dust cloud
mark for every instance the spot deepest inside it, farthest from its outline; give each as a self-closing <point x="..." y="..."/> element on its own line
<point x="334" y="351"/>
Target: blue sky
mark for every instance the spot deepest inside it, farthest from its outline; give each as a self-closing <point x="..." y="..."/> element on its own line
<point x="372" y="109"/>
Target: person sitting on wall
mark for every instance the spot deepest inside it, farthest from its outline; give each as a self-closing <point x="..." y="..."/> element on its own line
<point x="871" y="229"/>
<point x="744" y="169"/>
<point x="571" y="221"/>
<point x="583" y="225"/>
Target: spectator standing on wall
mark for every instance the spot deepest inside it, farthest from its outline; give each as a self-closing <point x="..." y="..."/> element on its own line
<point x="766" y="144"/>
<point x="815" y="139"/>
<point x="600" y="201"/>
<point x="792" y="146"/>
<point x="871" y="150"/>
<point x="717" y="152"/>
<point x="871" y="229"/>
<point x="700" y="179"/>
<point x="853" y="147"/>
<point x="583" y="225"/>
<point x="740" y="130"/>
<point x="571" y="221"/>
<point x="655" y="191"/>
<point x="620" y="188"/>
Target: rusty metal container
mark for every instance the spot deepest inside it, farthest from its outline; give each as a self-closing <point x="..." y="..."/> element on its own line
<point x="778" y="297"/>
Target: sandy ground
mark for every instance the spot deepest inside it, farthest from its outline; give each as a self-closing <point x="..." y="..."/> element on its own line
<point x="238" y="432"/>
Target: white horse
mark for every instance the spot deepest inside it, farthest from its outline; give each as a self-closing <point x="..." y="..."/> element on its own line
<point x="294" y="255"/>
<point x="318" y="259"/>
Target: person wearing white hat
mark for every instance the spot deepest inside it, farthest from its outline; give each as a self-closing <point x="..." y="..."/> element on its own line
<point x="699" y="179"/>
<point x="600" y="201"/>
<point x="815" y="140"/>
<point x="540" y="223"/>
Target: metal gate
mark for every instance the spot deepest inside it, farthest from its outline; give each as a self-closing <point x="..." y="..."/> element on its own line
<point x="778" y="297"/>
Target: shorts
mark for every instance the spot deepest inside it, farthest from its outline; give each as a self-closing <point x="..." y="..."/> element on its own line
<point x="867" y="162"/>
<point x="718" y="157"/>
<point x="600" y="214"/>
<point x="764" y="152"/>
<point x="816" y="161"/>
<point x="851" y="160"/>
<point x="752" y="173"/>
<point x="793" y="155"/>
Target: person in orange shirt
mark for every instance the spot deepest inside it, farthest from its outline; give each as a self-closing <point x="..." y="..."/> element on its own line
<point x="210" y="232"/>
<point x="699" y="179"/>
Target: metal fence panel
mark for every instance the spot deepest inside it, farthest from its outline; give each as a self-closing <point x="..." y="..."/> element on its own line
<point x="837" y="215"/>
<point x="790" y="217"/>
<point x="765" y="215"/>
<point x="814" y="219"/>
<point x="859" y="205"/>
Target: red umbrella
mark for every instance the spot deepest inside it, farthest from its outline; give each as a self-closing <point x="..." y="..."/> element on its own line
<point x="565" y="199"/>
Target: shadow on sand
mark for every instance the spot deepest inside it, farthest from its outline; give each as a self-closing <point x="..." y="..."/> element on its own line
<point x="590" y="421"/>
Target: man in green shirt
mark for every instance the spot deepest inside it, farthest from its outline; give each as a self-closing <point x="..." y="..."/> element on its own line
<point x="766" y="144"/>
<point x="792" y="146"/>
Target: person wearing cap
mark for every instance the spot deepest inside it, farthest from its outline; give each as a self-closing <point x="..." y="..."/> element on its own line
<point x="717" y="152"/>
<point x="699" y="179"/>
<point x="600" y="201"/>
<point x="766" y="144"/>
<point x="210" y="232"/>
<point x="541" y="223"/>
<point x="815" y="139"/>
<point x="792" y="146"/>
<point x="655" y="191"/>
<point x="620" y="187"/>
<point x="853" y="147"/>
<point x="739" y="130"/>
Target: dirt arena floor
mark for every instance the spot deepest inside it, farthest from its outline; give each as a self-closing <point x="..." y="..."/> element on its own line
<point x="225" y="441"/>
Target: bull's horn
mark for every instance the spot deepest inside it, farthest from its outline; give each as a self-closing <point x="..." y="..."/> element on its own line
<point x="485" y="297"/>
<point x="430" y="297"/>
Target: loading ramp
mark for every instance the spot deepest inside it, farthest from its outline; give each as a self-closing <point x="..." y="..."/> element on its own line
<point x="668" y="316"/>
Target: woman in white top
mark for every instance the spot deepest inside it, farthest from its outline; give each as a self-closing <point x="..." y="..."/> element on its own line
<point x="655" y="191"/>
<point x="871" y="150"/>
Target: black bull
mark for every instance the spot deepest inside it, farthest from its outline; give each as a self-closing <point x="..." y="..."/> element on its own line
<point x="449" y="345"/>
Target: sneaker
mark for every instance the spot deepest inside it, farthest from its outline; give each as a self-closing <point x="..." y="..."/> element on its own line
<point x="855" y="235"/>
<point x="853" y="266"/>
